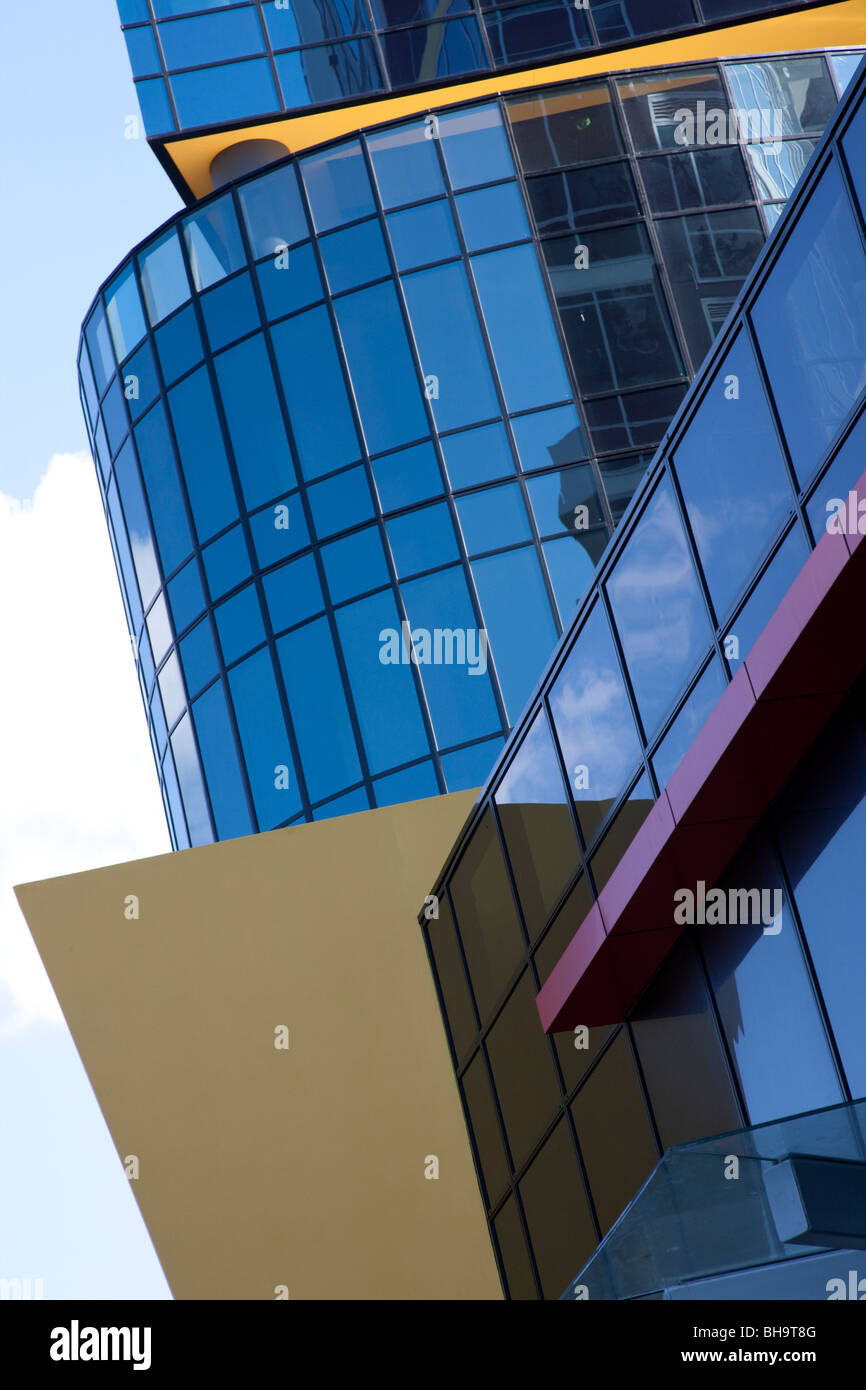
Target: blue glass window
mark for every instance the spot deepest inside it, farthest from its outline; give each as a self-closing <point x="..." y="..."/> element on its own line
<point x="343" y="805"/>
<point x="273" y="212"/>
<point x="313" y="385"/>
<point x="155" y="106"/>
<point x="730" y="453"/>
<point x="492" y="216"/>
<point x="840" y="478"/>
<point x="329" y="73"/>
<point x="137" y="523"/>
<point x="124" y="313"/>
<point x="477" y="456"/>
<point x="516" y="309"/>
<point x="278" y="533"/>
<point x="423" y="234"/>
<point x="159" y="629"/>
<point x="520" y="34"/>
<point x="688" y="722"/>
<point x="304" y="21"/>
<point x="571" y="568"/>
<point x="214" y="243"/>
<point x="129" y="584"/>
<point x="140" y="384"/>
<point x="189" y="777"/>
<point x="519" y="622"/>
<point x="172" y="690"/>
<point x="290" y="281"/>
<point x="593" y="722"/>
<point x="761" y="1029"/>
<point x="475" y="146"/>
<point x="114" y="415"/>
<point x="293" y="593"/>
<point x="411" y="475"/>
<point x="821" y="836"/>
<point x="99" y="342"/>
<point x="470" y="767"/>
<point x="493" y="518"/>
<point x="215" y="95"/>
<point x="405" y="163"/>
<point x="203" y="456"/>
<point x="384" y="693"/>
<point x="457" y="374"/>
<point x="337" y="186"/>
<point x="186" y="595"/>
<point x="179" y="345"/>
<point x="163" y="278"/>
<point x="355" y="564"/>
<point x="317" y="701"/>
<point x="768" y="592"/>
<point x="230" y="311"/>
<point x="131" y="11"/>
<point x="198" y="657"/>
<point x="657" y="607"/>
<point x="422" y="539"/>
<point x="354" y="256"/>
<point x="226" y="562"/>
<point x="255" y="422"/>
<point x="211" y="38"/>
<point x="556" y="498"/>
<point x="810" y="318"/>
<point x="264" y="740"/>
<point x="225" y="781"/>
<point x="239" y="623"/>
<point x="549" y="436"/>
<point x="143" y="55"/>
<point x="412" y="784"/>
<point x="452" y="657"/>
<point x="430" y="51"/>
<point x="340" y="502"/>
<point x="381" y="366"/>
<point x="161" y="480"/>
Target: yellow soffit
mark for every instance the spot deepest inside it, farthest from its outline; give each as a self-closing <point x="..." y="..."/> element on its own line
<point x="259" y="1022"/>
<point x="826" y="26"/>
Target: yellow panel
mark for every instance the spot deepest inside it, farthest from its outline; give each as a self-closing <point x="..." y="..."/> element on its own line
<point x="262" y="1167"/>
<point x="828" y="26"/>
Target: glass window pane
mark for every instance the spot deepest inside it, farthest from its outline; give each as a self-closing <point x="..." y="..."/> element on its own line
<point x="264" y="740"/>
<point x="777" y="168"/>
<point x="355" y="564"/>
<point x="289" y="280"/>
<point x="340" y="502"/>
<point x="793" y="95"/>
<point x="457" y="376"/>
<point x="225" y="92"/>
<point x="179" y="345"/>
<point x="312" y="381"/>
<point x="688" y="722"/>
<point x="337" y="186"/>
<point x="493" y="518"/>
<point x="412" y="784"/>
<point x="328" y="74"/>
<point x="475" y="146"/>
<point x="239" y="624"/>
<point x="732" y="475"/>
<point x="515" y="1258"/>
<point x="214" y="243"/>
<point x="761" y="1029"/>
<point x="172" y="690"/>
<point x="517" y="310"/>
<point x="566" y="500"/>
<point x="663" y="111"/>
<point x="840" y="478"/>
<point x="226" y="562"/>
<point x="593" y="722"/>
<point x="523" y="1070"/>
<point x="230" y="312"/>
<point x="564" y="126"/>
<point x="301" y="21"/>
<point x="658" y="608"/>
<point x="163" y="277"/>
<point x="279" y="531"/>
<point x="405" y="163"/>
<point x="613" y="1131"/>
<point x="629" y="18"/>
<point x="571" y="568"/>
<point x="225" y="780"/>
<point x="432" y="51"/>
<point x="470" y="767"/>
<point x="423" y="234"/>
<point x="422" y="539"/>
<point x="191" y="783"/>
<point x="696" y="179"/>
<point x="317" y="701"/>
<point x="255" y="422"/>
<point x="767" y="595"/>
<point x="273" y="212"/>
<point x="140" y="384"/>
<point x="518" y="620"/>
<point x="518" y="35"/>
<point x="411" y="475"/>
<point x="621" y="831"/>
<point x="492" y="216"/>
<point x="549" y="436"/>
<point x="580" y="198"/>
<point x="293" y="593"/>
<point x="708" y="256"/>
<point x="810" y="319"/>
<point x="477" y="456"/>
<point x="561" y="1227"/>
<point x="210" y="38"/>
<point x="532" y="801"/>
<point x="124" y="313"/>
<point x="383" y="691"/>
<point x="453" y="983"/>
<point x="186" y="595"/>
<point x="486" y="916"/>
<point x="202" y="454"/>
<point x="451" y="655"/>
<point x="382" y="368"/>
<point x="137" y="523"/>
<point x="163" y="488"/>
<point x="198" y="657"/>
<point x="354" y="256"/>
<point x="486" y="1129"/>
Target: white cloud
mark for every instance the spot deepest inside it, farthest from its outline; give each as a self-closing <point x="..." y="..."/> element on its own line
<point x="78" y="785"/>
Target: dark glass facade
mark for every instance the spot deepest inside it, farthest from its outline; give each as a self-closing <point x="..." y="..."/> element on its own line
<point x="199" y="64"/>
<point x="741" y="1024"/>
<point x="317" y="426"/>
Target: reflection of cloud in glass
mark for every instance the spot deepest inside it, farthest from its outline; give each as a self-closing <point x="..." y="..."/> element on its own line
<point x="534" y="775"/>
<point x="595" y="726"/>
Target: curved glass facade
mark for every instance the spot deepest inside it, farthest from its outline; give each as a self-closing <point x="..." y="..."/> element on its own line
<point x="199" y="64"/>
<point x="754" y="1025"/>
<point x="317" y="425"/>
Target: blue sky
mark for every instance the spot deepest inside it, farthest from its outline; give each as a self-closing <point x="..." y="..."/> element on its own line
<point x="79" y="787"/>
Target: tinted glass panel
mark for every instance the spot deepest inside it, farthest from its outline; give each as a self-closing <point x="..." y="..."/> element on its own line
<point x="523" y="1071"/>
<point x="486" y="916"/>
